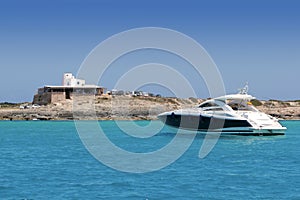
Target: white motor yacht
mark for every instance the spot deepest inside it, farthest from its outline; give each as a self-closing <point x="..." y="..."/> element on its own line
<point x="230" y="114"/>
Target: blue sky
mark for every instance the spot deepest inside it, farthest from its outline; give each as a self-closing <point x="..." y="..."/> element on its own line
<point x="253" y="41"/>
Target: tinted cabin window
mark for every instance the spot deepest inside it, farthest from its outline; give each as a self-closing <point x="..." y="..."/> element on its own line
<point x="209" y="104"/>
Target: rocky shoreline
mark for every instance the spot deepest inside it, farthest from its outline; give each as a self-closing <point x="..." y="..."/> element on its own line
<point x="129" y="108"/>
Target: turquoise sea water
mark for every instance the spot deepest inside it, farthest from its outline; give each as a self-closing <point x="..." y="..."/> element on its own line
<point x="47" y="160"/>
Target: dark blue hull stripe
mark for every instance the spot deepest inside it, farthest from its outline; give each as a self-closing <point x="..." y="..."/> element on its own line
<point x="203" y="123"/>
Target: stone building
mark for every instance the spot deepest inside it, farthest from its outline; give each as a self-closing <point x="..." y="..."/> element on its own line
<point x="70" y="87"/>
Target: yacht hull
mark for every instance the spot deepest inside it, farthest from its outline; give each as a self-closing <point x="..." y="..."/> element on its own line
<point x="213" y="124"/>
<point x="230" y="114"/>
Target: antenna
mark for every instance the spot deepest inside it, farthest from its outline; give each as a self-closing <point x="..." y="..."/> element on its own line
<point x="245" y="89"/>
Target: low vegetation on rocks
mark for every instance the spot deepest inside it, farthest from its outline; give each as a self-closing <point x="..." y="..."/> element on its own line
<point x="126" y="108"/>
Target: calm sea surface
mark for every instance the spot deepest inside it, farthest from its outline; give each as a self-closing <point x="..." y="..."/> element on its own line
<point x="47" y="160"/>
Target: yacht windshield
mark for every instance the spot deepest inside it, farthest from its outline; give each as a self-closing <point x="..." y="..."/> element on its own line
<point x="211" y="106"/>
